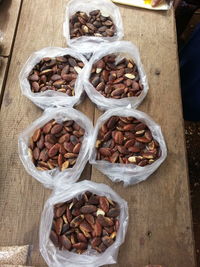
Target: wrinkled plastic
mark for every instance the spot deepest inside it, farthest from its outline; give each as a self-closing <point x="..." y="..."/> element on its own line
<point x="56" y="258"/>
<point x="51" y="98"/>
<point x="124" y="49"/>
<point x="129" y="174"/>
<point x="53" y="177"/>
<point x="88" y="44"/>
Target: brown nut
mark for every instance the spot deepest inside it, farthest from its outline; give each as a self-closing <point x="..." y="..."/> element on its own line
<point x="104" y="221"/>
<point x="85" y="227"/>
<point x="77" y="221"/>
<point x="88" y="209"/>
<point x="108" y="241"/>
<point x="65" y="242"/>
<point x="104" y="204"/>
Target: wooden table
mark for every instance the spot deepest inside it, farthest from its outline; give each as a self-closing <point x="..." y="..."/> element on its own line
<point x="160" y="228"/>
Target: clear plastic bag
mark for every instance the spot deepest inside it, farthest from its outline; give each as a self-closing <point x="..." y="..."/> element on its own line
<point x="53" y="177"/>
<point x="88" y="44"/>
<point x="127" y="173"/>
<point x="124" y="49"/>
<point x="51" y="98"/>
<point x="53" y="256"/>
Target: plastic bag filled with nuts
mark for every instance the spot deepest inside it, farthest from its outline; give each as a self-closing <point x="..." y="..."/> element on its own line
<point x="127" y="145"/>
<point x="115" y="77"/>
<point x="83" y="224"/>
<point x="55" y="148"/>
<point x="88" y="23"/>
<point x="52" y="77"/>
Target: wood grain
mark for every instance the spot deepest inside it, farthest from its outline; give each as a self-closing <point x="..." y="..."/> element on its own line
<point x="3" y="65"/>
<point x="160" y="229"/>
<point x="9" y="10"/>
<point x="160" y="220"/>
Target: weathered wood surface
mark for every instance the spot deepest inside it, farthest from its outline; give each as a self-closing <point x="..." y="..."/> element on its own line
<point x="9" y="11"/>
<point x="3" y="65"/>
<point x="160" y="220"/>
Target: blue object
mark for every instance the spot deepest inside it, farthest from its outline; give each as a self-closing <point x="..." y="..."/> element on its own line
<point x="190" y="77"/>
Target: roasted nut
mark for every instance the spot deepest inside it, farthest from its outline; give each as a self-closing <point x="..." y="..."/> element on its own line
<point x="81" y="238"/>
<point x="116" y="79"/>
<point x="59" y="211"/>
<point x="92" y="24"/>
<point x="90" y="227"/>
<point x="129" y="142"/>
<point x="53" y="146"/>
<point x="104" y="204"/>
<point x="97" y="229"/>
<point x="85" y="227"/>
<point x="89" y="218"/>
<point x="65" y="242"/>
<point x="54" y="238"/>
<point x="80" y="245"/>
<point x="114" y="212"/>
<point x="96" y="241"/>
<point x="55" y="74"/>
<point x="58" y="226"/>
<point x="77" y="221"/>
<point x="104" y="221"/>
<point x="108" y="241"/>
<point x="88" y="209"/>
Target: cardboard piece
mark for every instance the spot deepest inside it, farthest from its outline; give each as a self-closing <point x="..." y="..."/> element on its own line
<point x="144" y="4"/>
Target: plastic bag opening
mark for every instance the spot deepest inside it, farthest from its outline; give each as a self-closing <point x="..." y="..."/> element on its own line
<point x="129" y="174"/>
<point x="51" y="98"/>
<point x="88" y="44"/>
<point x="125" y="49"/>
<point x="53" y="256"/>
<point x="54" y="177"/>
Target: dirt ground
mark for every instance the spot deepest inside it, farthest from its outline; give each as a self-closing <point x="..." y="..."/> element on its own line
<point x="192" y="134"/>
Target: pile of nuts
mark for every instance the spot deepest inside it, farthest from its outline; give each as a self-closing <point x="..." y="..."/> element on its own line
<point x="115" y="79"/>
<point x="126" y="140"/>
<point x="90" y="220"/>
<point x="56" y="145"/>
<point x="57" y="74"/>
<point x="94" y="24"/>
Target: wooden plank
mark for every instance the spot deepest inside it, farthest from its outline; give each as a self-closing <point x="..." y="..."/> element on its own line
<point x="9" y="10"/>
<point x="21" y="197"/>
<point x="3" y="65"/>
<point x="160" y="229"/>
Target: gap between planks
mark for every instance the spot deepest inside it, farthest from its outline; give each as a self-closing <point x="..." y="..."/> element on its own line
<point x="5" y="70"/>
